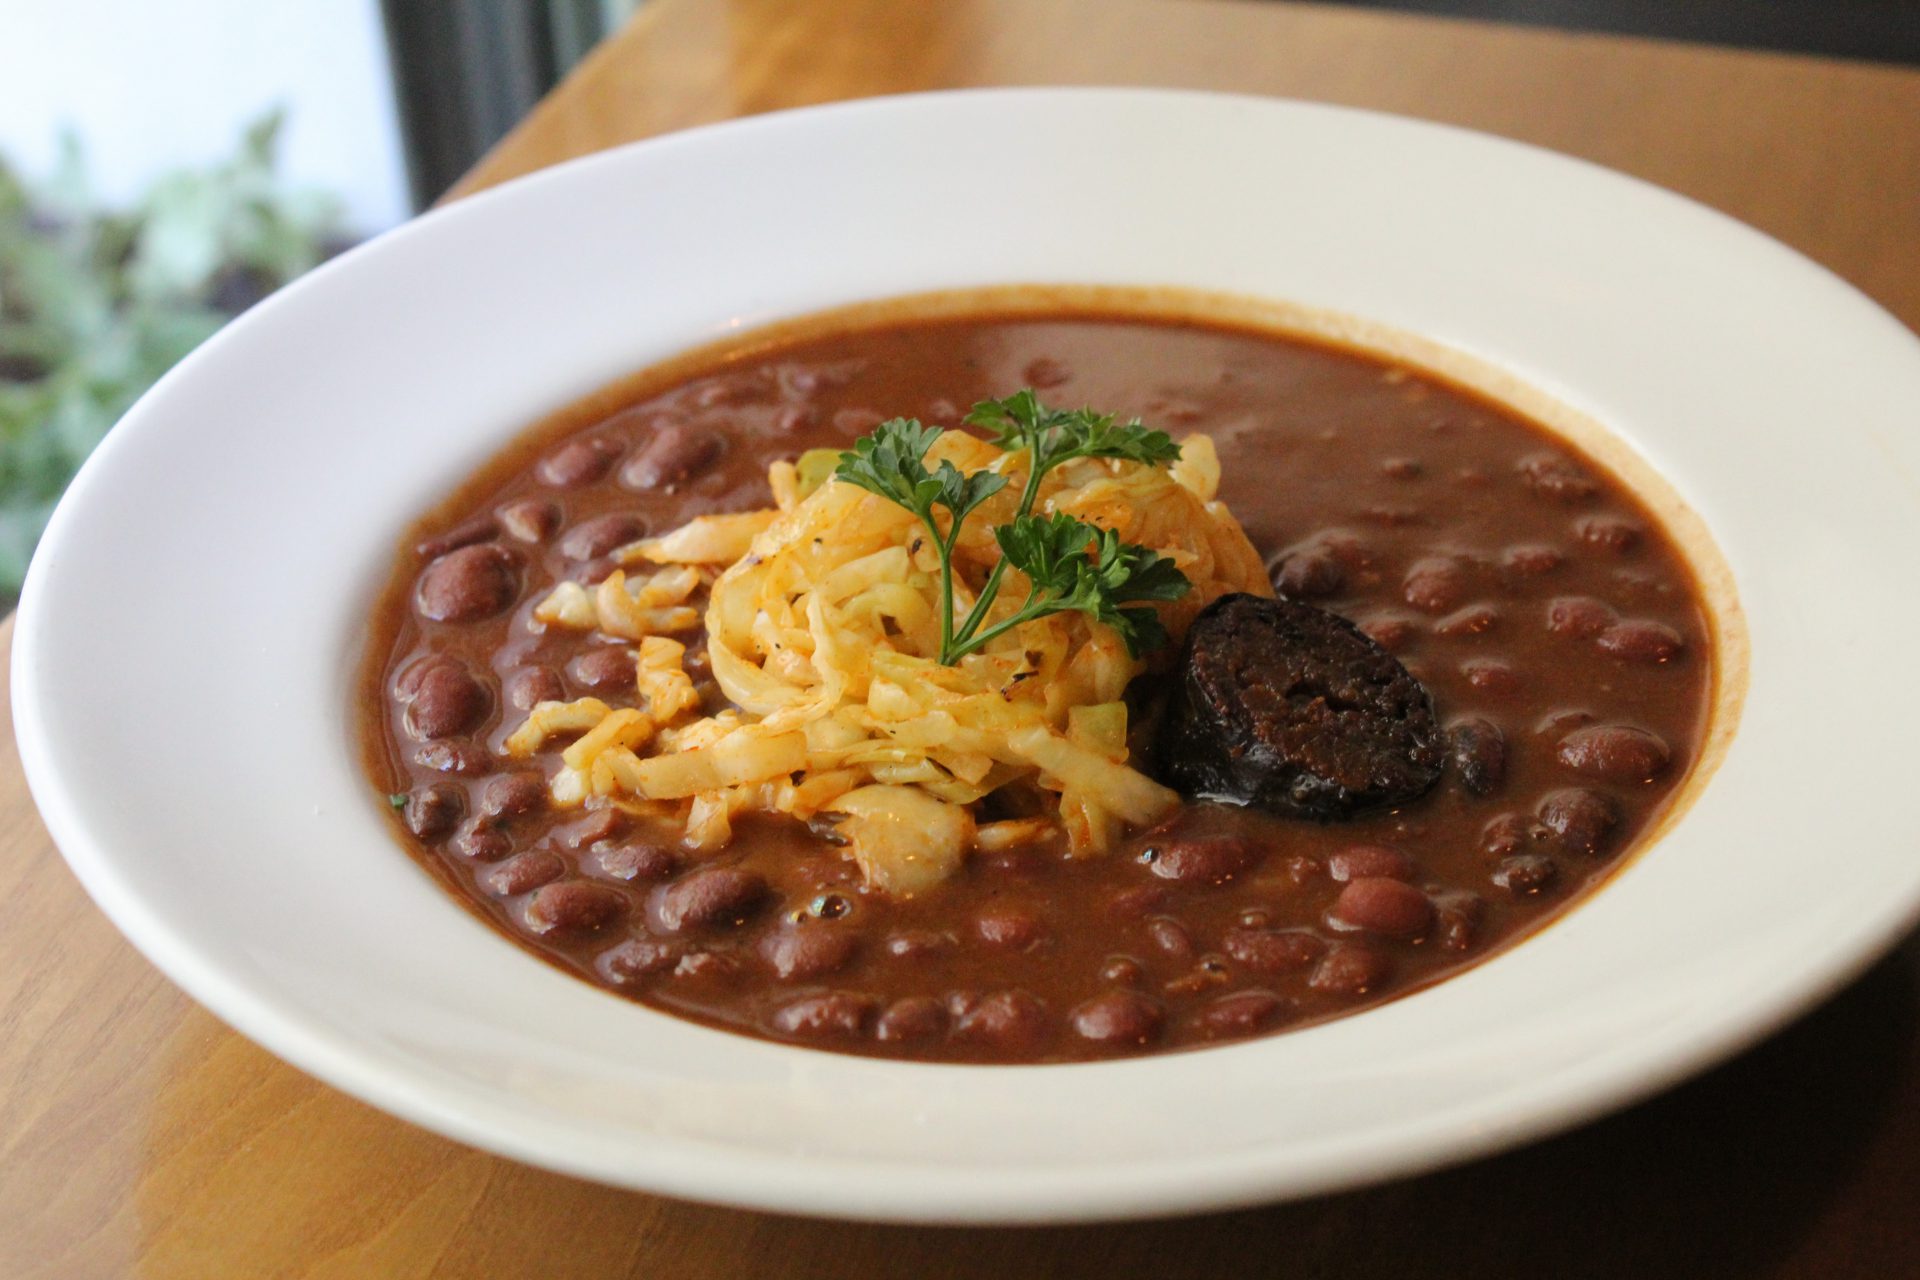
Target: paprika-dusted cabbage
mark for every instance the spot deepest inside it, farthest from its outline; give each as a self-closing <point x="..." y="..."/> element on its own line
<point x="823" y="630"/>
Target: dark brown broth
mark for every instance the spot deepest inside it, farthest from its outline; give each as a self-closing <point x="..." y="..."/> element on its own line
<point x="1316" y="443"/>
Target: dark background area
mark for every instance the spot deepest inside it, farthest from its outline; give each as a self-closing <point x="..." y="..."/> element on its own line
<point x="466" y="70"/>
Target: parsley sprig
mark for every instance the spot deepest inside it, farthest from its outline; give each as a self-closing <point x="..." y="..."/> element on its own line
<point x="1070" y="565"/>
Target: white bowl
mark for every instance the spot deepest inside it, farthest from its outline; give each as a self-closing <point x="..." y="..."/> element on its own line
<point x="184" y="664"/>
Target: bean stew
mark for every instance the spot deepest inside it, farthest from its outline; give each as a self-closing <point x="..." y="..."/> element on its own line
<point x="1553" y="623"/>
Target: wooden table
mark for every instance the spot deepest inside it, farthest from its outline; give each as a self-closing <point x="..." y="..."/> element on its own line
<point x="140" y="1136"/>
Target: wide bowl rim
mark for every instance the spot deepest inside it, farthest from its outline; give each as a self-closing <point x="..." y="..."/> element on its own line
<point x="796" y="1183"/>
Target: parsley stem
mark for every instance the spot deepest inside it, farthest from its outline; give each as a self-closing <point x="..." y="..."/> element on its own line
<point x="991" y="587"/>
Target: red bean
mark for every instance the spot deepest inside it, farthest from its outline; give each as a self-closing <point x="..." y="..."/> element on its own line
<point x="793" y="418"/>
<point x="919" y="944"/>
<point x="1308" y="574"/>
<point x="1118" y="1018"/>
<point x="836" y="1015"/>
<point x="1581" y="617"/>
<point x="1474" y="620"/>
<point x="1170" y="937"/>
<point x="579" y="462"/>
<point x="1046" y="373"/>
<point x="1123" y="971"/>
<point x="1456" y="918"/>
<point x="463" y="758"/>
<point x="1436" y="584"/>
<point x="808" y="951"/>
<point x="1614" y="753"/>
<point x="598" y="825"/>
<point x="478" y="529"/>
<point x="1402" y="468"/>
<point x="433" y="811"/>
<point x="1011" y="1022"/>
<point x="1581" y="821"/>
<point x="608" y="667"/>
<point x="1243" y="1013"/>
<point x="530" y="520"/>
<point x="857" y="422"/>
<point x="1132" y="904"/>
<point x="909" y="1019"/>
<point x="447" y="700"/>
<point x="710" y="964"/>
<point x="1477" y="750"/>
<point x="1273" y="950"/>
<point x="1010" y="927"/>
<point x="591" y="539"/>
<point x="529" y="686"/>
<point x="1525" y="874"/>
<point x="523" y="872"/>
<point x="636" y="862"/>
<point x="1361" y="861"/>
<point x="1351" y="969"/>
<point x="710" y="896"/>
<point x="1390" y="631"/>
<point x="573" y="907"/>
<point x="638" y="958"/>
<point x="1552" y="476"/>
<point x="482" y="841"/>
<point x="469" y="584"/>
<point x="673" y="454"/>
<point x="1505" y="834"/>
<point x="1201" y="859"/>
<point x="1490" y="675"/>
<point x="1641" y="641"/>
<point x="1304" y="869"/>
<point x="512" y="794"/>
<point x="1532" y="561"/>
<point x="1378" y="905"/>
<point x="1610" y="533"/>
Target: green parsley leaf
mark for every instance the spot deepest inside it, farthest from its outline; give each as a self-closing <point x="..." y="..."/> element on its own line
<point x="1069" y="565"/>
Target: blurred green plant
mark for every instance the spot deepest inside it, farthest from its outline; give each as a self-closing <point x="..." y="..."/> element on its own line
<point x="96" y="304"/>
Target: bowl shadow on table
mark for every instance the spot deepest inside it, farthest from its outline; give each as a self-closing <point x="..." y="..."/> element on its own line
<point x="1773" y="1157"/>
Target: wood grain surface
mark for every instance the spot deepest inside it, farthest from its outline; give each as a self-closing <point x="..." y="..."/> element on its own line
<point x="138" y="1136"/>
